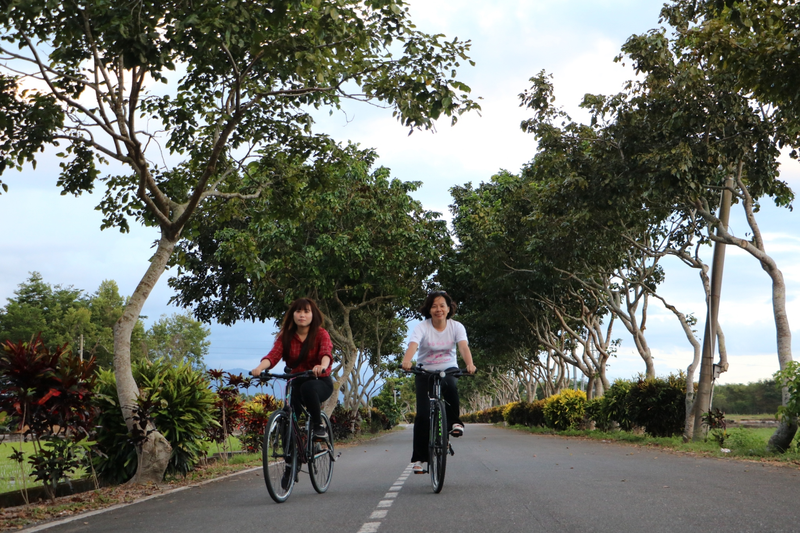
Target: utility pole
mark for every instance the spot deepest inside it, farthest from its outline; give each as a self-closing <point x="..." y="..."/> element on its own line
<point x="702" y="402"/>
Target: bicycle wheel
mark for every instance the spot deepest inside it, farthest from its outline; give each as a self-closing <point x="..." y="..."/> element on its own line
<point x="280" y="461"/>
<point x="320" y="462"/>
<point x="437" y="452"/>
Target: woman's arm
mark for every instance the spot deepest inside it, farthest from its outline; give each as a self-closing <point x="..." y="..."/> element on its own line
<point x="466" y="355"/>
<point x="412" y="349"/>
<point x="263" y="365"/>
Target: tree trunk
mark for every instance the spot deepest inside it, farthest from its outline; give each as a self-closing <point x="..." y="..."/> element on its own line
<point x="154" y="453"/>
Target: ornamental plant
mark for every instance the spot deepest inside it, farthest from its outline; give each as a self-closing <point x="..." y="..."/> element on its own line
<point x="565" y="410"/>
<point x="46" y="395"/>
<point x="255" y="416"/>
<point x="176" y="399"/>
<point x="658" y="404"/>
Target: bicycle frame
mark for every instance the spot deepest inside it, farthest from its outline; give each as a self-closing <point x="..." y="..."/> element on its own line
<point x="438" y="433"/>
<point x="288" y="445"/>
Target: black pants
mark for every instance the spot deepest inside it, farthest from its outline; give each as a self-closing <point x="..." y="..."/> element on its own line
<point x="422" y="424"/>
<point x="311" y="392"/>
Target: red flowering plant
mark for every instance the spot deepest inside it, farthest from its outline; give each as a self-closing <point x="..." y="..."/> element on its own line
<point x="47" y="397"/>
<point x="228" y="406"/>
<point x="255" y="419"/>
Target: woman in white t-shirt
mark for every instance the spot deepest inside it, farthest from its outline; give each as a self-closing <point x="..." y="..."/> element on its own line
<point x="437" y="339"/>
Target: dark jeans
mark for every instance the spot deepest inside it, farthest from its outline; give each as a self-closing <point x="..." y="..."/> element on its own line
<point x="311" y="392"/>
<point x="422" y="425"/>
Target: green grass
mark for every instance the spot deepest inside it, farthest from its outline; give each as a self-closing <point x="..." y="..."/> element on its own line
<point x="741" y="442"/>
<point x="11" y="478"/>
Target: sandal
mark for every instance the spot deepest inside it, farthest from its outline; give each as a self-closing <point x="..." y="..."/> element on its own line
<point x="419" y="468"/>
<point x="457" y="430"/>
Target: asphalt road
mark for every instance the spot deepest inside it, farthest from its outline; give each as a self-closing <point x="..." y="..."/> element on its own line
<point x="498" y="481"/>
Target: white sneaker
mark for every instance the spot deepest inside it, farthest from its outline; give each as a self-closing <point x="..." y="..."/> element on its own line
<point x="420" y="467"/>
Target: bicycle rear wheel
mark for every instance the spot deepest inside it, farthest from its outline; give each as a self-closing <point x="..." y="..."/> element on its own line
<point x="279" y="457"/>
<point x="437" y="453"/>
<point x="321" y="457"/>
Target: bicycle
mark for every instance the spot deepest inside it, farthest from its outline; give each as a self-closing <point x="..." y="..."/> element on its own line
<point x="438" y="437"/>
<point x="287" y="445"/>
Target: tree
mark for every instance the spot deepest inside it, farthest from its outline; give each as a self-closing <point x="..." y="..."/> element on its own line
<point x="178" y="339"/>
<point x="240" y="77"/>
<point x="67" y="317"/>
<point x="358" y="244"/>
<point x="755" y="43"/>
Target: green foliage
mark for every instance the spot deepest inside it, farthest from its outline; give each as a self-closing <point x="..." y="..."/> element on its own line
<point x="614" y="406"/>
<point x="391" y="403"/>
<point x="789" y="377"/>
<point x="27" y="124"/>
<point x="565" y="410"/>
<point x="748" y="399"/>
<point x="525" y="413"/>
<point x="181" y="409"/>
<point x="56" y="460"/>
<point x="655" y="404"/>
<point x="345" y="422"/>
<point x="347" y="239"/>
<point x="63" y="315"/>
<point x="659" y="405"/>
<point x="492" y="415"/>
<point x="375" y="421"/>
<point x="178" y="338"/>
<point x="228" y="404"/>
<point x="745" y="442"/>
<point x="714" y="420"/>
<point x="255" y="418"/>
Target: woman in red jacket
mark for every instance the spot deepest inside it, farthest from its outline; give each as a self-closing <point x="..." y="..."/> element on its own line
<point x="304" y="345"/>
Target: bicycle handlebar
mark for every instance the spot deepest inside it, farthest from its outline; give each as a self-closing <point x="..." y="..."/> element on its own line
<point x="456" y="372"/>
<point x="268" y="375"/>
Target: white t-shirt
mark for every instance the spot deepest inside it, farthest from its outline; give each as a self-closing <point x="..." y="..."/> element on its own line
<point x="437" y="349"/>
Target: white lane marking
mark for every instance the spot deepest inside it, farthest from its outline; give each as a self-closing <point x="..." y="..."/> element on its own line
<point x="385" y="503"/>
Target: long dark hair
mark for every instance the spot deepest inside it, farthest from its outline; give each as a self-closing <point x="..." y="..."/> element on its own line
<point x="426" y="307"/>
<point x="289" y="328"/>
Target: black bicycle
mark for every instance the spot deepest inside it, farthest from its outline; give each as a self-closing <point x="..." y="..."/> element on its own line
<point x="438" y="437"/>
<point x="288" y="445"/>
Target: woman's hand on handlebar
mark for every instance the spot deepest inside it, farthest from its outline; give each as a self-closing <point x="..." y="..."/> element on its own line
<point x="318" y="370"/>
<point x="471" y="368"/>
<point x="264" y="365"/>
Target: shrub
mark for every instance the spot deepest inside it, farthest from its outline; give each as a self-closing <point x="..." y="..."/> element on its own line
<point x="790" y="378"/>
<point x="658" y="405"/>
<point x="746" y="442"/>
<point x="254" y="421"/>
<point x="344" y="422"/>
<point x="48" y="395"/>
<point x="524" y="413"/>
<point x="183" y="411"/>
<point x="228" y="405"/>
<point x="565" y="410"/>
<point x="597" y="410"/>
<point x="375" y="421"/>
<point x="615" y="406"/>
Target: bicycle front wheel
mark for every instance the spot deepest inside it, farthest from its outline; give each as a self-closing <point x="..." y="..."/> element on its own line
<point x="321" y="457"/>
<point x="437" y="452"/>
<point x="279" y="457"/>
